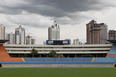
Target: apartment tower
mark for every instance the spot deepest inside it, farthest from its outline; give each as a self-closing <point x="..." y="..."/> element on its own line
<point x="29" y="40"/>
<point x="112" y="34"/>
<point x="20" y="35"/>
<point x="11" y="38"/>
<point x="2" y="32"/>
<point x="96" y="33"/>
<point x="54" y="32"/>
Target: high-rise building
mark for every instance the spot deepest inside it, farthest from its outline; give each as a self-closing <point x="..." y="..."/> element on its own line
<point x="54" y="32"/>
<point x="29" y="40"/>
<point x="20" y="35"/>
<point x="112" y="34"/>
<point x="32" y="41"/>
<point x="2" y="32"/>
<point x="11" y="38"/>
<point x="76" y="41"/>
<point x="96" y="33"/>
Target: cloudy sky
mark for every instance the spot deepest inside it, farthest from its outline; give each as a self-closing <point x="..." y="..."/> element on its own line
<point x="72" y="16"/>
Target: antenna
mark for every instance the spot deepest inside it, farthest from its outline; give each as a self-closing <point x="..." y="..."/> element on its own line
<point x="55" y="23"/>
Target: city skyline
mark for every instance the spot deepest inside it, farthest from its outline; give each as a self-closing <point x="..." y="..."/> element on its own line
<point x="19" y="37"/>
<point x="99" y="29"/>
<point x="71" y="15"/>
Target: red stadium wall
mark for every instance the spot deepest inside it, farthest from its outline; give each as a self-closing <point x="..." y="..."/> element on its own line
<point x="111" y="54"/>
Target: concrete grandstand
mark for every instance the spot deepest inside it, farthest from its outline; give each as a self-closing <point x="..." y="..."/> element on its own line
<point x="108" y="61"/>
<point x="4" y="56"/>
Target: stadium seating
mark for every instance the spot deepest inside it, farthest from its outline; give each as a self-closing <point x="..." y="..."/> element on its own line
<point x="58" y="60"/>
<point x="71" y="60"/>
<point x="5" y="57"/>
<point x="112" y="51"/>
<point x="105" y="59"/>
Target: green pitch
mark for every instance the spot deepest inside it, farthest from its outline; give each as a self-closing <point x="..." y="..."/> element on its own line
<point x="57" y="72"/>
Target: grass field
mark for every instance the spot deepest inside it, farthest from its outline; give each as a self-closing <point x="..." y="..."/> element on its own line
<point x="57" y="72"/>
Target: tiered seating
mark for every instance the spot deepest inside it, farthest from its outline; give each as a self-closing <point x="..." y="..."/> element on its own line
<point x="106" y="59"/>
<point x="3" y="53"/>
<point x="72" y="60"/>
<point x="4" y="56"/>
<point x="83" y="59"/>
<point x="58" y="60"/>
<point x="112" y="52"/>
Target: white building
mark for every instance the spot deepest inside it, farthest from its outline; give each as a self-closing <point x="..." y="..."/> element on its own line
<point x="76" y="41"/>
<point x="11" y="38"/>
<point x="54" y="32"/>
<point x="32" y="41"/>
<point x="2" y="32"/>
<point x="29" y="40"/>
<point x="20" y="35"/>
<point x="65" y="50"/>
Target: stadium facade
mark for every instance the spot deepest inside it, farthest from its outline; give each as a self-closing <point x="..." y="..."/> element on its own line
<point x="95" y="50"/>
<point x="109" y="61"/>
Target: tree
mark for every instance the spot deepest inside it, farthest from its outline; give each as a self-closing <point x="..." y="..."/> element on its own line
<point x="52" y="53"/>
<point x="34" y="52"/>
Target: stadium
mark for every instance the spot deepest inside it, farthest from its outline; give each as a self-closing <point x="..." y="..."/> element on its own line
<point x="108" y="61"/>
<point x="66" y="67"/>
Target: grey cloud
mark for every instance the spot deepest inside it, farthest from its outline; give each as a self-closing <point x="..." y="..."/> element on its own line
<point x="60" y="10"/>
<point x="55" y="8"/>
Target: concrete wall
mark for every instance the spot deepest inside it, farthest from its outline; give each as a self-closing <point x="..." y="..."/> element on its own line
<point x="57" y="65"/>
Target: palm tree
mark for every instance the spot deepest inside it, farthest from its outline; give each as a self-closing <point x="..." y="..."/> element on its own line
<point x="34" y="52"/>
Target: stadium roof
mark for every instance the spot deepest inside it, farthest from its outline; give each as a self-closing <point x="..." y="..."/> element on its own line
<point x="112" y="40"/>
<point x="3" y="40"/>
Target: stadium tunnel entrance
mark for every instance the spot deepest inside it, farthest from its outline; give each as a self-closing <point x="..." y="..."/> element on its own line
<point x="115" y="65"/>
<point x="0" y="65"/>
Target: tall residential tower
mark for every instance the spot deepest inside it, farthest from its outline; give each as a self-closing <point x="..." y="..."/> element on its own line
<point x="11" y="38"/>
<point x="2" y="32"/>
<point x="96" y="33"/>
<point x="30" y="40"/>
<point x="20" y="35"/>
<point x="54" y="32"/>
<point x="112" y="34"/>
<point x="76" y="41"/>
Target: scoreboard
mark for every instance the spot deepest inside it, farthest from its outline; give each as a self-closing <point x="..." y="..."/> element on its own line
<point x="57" y="42"/>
